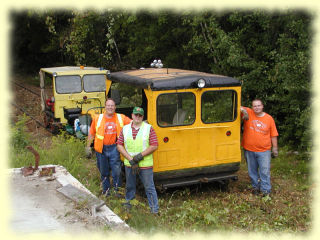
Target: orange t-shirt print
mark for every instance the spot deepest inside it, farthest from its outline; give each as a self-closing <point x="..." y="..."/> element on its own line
<point x="110" y="131"/>
<point x="259" y="126"/>
<point x="258" y="132"/>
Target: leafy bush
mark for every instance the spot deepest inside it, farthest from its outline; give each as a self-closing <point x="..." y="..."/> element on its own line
<point x="19" y="137"/>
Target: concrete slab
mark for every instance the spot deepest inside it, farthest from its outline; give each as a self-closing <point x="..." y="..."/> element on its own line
<point x="79" y="196"/>
<point x="39" y="207"/>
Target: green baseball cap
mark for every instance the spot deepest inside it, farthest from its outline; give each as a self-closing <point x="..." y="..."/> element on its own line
<point x="138" y="110"/>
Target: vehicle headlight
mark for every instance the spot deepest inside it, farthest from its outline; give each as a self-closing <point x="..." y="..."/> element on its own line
<point x="201" y="83"/>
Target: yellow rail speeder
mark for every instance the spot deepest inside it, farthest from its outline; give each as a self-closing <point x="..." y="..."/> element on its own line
<point x="196" y="117"/>
<point x="70" y="94"/>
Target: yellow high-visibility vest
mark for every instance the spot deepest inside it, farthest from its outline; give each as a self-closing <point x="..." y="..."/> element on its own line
<point x="139" y="144"/>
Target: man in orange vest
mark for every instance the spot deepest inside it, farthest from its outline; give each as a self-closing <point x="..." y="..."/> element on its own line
<point x="104" y="130"/>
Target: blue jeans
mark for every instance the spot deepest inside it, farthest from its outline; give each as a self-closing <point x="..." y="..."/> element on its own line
<point x="259" y="169"/>
<point x="146" y="176"/>
<point x="108" y="160"/>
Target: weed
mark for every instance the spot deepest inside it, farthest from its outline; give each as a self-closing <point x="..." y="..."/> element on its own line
<point x="65" y="150"/>
<point x="82" y="204"/>
<point x="19" y="136"/>
<point x="68" y="213"/>
<point x="290" y="165"/>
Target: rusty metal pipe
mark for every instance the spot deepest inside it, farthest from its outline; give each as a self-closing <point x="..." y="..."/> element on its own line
<point x="36" y="156"/>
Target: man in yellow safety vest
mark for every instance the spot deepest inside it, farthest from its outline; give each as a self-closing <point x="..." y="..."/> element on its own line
<point x="104" y="130"/>
<point x="137" y="141"/>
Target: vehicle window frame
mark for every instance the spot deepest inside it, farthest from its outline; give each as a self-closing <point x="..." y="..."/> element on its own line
<point x="235" y="105"/>
<point x="83" y="83"/>
<point x="176" y="125"/>
<point x="56" y="89"/>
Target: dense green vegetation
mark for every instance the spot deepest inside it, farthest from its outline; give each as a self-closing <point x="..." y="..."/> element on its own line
<point x="270" y="52"/>
<point x="198" y="208"/>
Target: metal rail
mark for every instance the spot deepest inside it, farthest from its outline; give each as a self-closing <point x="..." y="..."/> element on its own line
<point x="34" y="119"/>
<point x="27" y="89"/>
<point x="29" y="115"/>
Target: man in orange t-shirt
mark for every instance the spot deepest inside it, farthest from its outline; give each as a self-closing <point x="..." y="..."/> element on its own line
<point x="105" y="128"/>
<point x="259" y="137"/>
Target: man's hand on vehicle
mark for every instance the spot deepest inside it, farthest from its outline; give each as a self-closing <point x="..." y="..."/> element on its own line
<point x="245" y="115"/>
<point x="88" y="152"/>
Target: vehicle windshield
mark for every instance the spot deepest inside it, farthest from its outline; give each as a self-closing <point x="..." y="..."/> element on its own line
<point x="68" y="84"/>
<point x="94" y="83"/>
<point x="218" y="106"/>
<point x="175" y="109"/>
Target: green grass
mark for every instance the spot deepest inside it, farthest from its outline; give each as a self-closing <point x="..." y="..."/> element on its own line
<point x="207" y="209"/>
<point x="197" y="208"/>
<point x="292" y="165"/>
<point x="64" y="150"/>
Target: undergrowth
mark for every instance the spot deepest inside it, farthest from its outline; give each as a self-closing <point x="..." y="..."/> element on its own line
<point x="200" y="208"/>
<point x="65" y="150"/>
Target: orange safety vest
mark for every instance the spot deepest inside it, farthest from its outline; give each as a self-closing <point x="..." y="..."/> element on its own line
<point x="98" y="140"/>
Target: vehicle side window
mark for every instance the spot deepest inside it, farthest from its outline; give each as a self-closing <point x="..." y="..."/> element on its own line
<point x="94" y="83"/>
<point x="68" y="84"/>
<point x="129" y="97"/>
<point x="218" y="106"/>
<point x="174" y="109"/>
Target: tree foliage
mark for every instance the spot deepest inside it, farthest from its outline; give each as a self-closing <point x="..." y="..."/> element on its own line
<point x="270" y="52"/>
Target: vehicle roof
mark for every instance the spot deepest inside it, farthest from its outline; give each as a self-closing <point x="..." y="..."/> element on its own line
<point x="170" y="79"/>
<point x="73" y="70"/>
